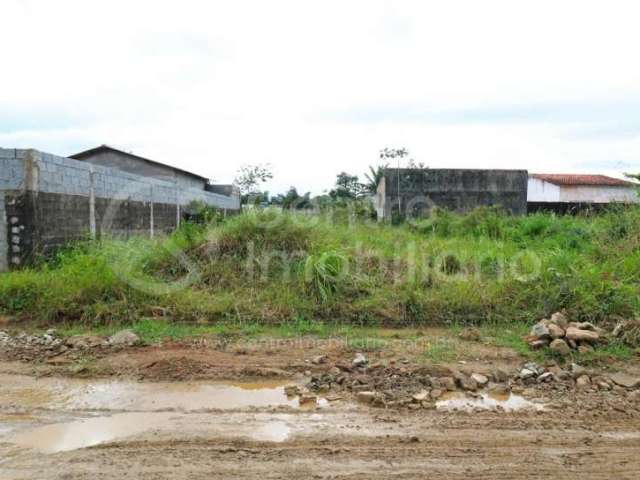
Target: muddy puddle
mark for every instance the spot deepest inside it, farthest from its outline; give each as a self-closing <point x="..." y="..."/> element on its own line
<point x="145" y="397"/>
<point x="486" y="401"/>
<point x="133" y="409"/>
<point x="89" y="432"/>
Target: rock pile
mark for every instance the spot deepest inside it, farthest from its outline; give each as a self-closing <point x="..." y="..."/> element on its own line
<point x="54" y="348"/>
<point x="396" y="386"/>
<point x="563" y="337"/>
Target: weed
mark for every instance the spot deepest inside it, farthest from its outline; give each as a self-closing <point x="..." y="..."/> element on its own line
<point x="495" y="268"/>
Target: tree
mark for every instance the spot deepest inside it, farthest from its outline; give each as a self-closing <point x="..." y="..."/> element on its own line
<point x="250" y="177"/>
<point x="292" y="200"/>
<point x="373" y="176"/>
<point x="399" y="154"/>
<point x="347" y="187"/>
<point x="634" y="176"/>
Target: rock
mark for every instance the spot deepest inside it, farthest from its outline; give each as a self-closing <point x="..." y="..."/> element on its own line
<point x="84" y="341"/>
<point x="499" y="376"/>
<point x="436" y="393"/>
<point x="538" y="344"/>
<point x="447" y="383"/>
<point x="624" y="380"/>
<point x="534" y="367"/>
<point x="334" y="371"/>
<point x="585" y="326"/>
<point x="545" y="377"/>
<point x="467" y="383"/>
<point x="359" y="361"/>
<point x="583" y="381"/>
<point x="499" y="389"/>
<point x="365" y="397"/>
<point x="585" y="348"/>
<point x="577" y="370"/>
<point x="306" y="399"/>
<point x="51" y="332"/>
<point x="559" y="373"/>
<point x="556" y="331"/>
<point x="540" y="330"/>
<point x="560" y="347"/>
<point x="580" y="335"/>
<point x="480" y="379"/>
<point x="124" y="338"/>
<point x="420" y="396"/>
<point x="560" y="319"/>
<point x="318" y="359"/>
<point x="526" y="373"/>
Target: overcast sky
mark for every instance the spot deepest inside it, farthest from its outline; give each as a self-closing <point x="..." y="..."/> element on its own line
<point x="318" y="87"/>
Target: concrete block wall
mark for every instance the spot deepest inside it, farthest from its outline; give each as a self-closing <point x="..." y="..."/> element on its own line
<point x="48" y="200"/>
<point x="413" y="192"/>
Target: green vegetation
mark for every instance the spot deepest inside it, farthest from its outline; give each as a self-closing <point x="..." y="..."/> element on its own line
<point x="270" y="268"/>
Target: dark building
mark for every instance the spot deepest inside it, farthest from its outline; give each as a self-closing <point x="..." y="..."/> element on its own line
<point x="413" y="192"/>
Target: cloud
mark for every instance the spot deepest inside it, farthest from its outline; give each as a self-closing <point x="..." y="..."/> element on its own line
<point x="319" y="88"/>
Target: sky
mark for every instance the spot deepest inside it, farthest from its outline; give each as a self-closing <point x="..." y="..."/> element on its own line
<point x="315" y="88"/>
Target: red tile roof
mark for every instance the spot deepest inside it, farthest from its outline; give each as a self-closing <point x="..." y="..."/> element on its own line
<point x="579" y="179"/>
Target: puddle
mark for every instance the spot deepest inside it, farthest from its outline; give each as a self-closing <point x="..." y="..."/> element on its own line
<point x="86" y="433"/>
<point x="486" y="401"/>
<point x="63" y="437"/>
<point x="146" y="397"/>
<point x="272" y="432"/>
<point x="142" y="408"/>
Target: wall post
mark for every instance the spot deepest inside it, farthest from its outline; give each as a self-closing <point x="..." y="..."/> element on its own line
<point x="4" y="242"/>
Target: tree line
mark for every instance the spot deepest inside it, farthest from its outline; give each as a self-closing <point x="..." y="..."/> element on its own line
<point x="347" y="186"/>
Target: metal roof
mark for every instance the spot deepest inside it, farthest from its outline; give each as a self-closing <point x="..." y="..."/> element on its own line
<point x="581" y="179"/>
<point x="104" y="148"/>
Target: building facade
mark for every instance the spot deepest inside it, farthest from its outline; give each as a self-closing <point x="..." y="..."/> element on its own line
<point x="567" y="190"/>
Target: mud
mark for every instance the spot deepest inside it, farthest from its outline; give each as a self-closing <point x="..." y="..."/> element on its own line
<point x="185" y="412"/>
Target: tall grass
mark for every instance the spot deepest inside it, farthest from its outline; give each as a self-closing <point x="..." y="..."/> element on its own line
<point x="276" y="268"/>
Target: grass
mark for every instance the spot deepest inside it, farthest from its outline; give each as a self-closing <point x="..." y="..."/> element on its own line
<point x="312" y="275"/>
<point x="441" y="346"/>
<point x="442" y="350"/>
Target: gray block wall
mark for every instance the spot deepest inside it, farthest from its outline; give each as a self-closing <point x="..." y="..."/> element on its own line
<point x="48" y="200"/>
<point x="413" y="192"/>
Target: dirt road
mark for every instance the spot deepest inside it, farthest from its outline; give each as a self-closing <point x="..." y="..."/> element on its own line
<point x="54" y="428"/>
<point x="201" y="410"/>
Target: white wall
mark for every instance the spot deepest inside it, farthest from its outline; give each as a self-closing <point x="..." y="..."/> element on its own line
<point x="598" y="194"/>
<point x="541" y="191"/>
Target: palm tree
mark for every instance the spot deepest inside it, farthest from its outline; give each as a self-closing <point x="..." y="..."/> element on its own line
<point x="373" y="176"/>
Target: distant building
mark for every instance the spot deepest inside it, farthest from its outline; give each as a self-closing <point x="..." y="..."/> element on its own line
<point x="568" y="191"/>
<point x="410" y="192"/>
<point x="110" y="157"/>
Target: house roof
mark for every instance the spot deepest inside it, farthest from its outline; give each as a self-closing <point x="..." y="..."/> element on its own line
<point x="581" y="179"/>
<point x="106" y="148"/>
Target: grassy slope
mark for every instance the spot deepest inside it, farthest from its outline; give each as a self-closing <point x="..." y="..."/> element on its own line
<point x="462" y="269"/>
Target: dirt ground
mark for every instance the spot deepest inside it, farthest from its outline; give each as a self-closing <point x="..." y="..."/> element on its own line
<point x="195" y="410"/>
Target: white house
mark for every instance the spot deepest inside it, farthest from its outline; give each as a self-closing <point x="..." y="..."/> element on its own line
<point x="574" y="188"/>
